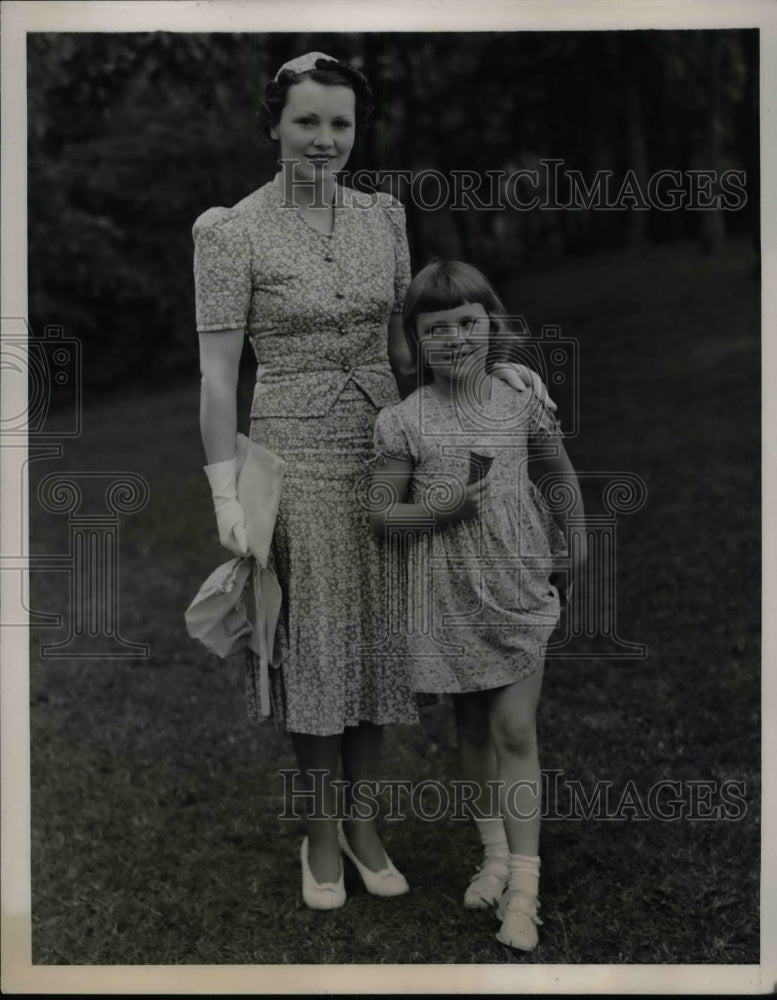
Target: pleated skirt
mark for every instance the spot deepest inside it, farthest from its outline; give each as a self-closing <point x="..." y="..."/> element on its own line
<point x="341" y="662"/>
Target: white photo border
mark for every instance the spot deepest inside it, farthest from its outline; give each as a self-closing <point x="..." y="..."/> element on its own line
<point x="19" y="975"/>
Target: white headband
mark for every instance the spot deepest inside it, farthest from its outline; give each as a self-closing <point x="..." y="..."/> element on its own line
<point x="303" y="63"/>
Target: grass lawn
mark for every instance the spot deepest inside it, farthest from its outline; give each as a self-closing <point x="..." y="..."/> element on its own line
<point x="155" y="801"/>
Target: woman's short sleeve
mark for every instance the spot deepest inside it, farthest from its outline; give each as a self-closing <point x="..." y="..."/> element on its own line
<point x="390" y="437"/>
<point x="222" y="272"/>
<point x="395" y="211"/>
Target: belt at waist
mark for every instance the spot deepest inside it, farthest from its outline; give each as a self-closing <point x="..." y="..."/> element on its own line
<point x="312" y="394"/>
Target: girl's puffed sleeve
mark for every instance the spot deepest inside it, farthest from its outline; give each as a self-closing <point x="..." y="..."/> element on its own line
<point x="222" y="272"/>
<point x="390" y="438"/>
<point x="543" y="424"/>
<point x="395" y="211"/>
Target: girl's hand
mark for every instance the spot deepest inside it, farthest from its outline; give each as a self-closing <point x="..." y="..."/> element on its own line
<point x="470" y="505"/>
<point x="560" y="578"/>
<point x="563" y="577"/>
<point x="467" y="509"/>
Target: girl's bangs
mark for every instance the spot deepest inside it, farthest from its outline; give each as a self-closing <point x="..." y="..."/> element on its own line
<point x="449" y="291"/>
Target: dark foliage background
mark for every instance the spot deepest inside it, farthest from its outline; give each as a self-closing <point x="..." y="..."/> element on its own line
<point x="131" y="136"/>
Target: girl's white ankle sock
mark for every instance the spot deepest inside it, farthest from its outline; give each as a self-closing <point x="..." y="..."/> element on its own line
<point x="523" y="873"/>
<point x="496" y="851"/>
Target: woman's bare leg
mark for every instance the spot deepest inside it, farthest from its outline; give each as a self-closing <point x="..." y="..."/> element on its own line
<point x="361" y="747"/>
<point x="320" y="753"/>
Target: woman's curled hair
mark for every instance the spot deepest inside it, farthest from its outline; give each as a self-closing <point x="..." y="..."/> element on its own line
<point x="329" y="73"/>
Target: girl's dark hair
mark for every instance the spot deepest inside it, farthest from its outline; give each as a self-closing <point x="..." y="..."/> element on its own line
<point x="448" y="284"/>
<point x="328" y="72"/>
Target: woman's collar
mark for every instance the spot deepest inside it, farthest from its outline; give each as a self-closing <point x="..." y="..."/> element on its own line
<point x="343" y="195"/>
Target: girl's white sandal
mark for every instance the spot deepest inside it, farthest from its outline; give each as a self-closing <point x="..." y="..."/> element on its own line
<point x="518" y="913"/>
<point x="486" y="886"/>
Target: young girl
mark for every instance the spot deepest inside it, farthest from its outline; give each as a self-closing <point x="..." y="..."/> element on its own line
<point x="480" y="564"/>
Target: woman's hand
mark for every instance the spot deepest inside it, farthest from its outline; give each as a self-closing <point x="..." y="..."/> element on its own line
<point x="231" y="522"/>
<point x="230" y="515"/>
<point x="522" y="378"/>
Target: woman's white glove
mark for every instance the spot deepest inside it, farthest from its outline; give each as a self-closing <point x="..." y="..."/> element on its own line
<point x="230" y="515"/>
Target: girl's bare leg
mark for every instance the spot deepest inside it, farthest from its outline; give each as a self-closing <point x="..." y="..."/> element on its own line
<point x="477" y="756"/>
<point x="514" y="732"/>
<point x="478" y="765"/>
<point x="515" y="737"/>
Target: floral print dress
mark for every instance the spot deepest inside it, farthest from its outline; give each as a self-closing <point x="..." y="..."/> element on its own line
<point x="316" y="310"/>
<point x="479" y="607"/>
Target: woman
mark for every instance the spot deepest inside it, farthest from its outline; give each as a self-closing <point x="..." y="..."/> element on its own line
<point x="316" y="277"/>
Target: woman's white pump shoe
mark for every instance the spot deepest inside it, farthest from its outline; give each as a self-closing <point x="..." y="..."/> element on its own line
<point x="320" y="895"/>
<point x="387" y="882"/>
